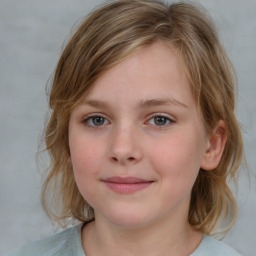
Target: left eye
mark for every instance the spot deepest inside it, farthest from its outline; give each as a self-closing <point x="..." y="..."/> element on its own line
<point x="95" y="121"/>
<point x="160" y="120"/>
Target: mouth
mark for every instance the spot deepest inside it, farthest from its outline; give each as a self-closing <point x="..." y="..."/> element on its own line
<point x="126" y="185"/>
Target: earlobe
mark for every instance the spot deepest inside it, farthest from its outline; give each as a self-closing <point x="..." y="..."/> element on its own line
<point x="215" y="146"/>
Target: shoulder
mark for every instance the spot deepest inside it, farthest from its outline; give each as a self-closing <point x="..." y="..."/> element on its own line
<point x="211" y="247"/>
<point x="67" y="242"/>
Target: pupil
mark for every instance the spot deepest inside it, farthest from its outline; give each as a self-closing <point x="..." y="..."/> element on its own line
<point x="98" y="120"/>
<point x="160" y="120"/>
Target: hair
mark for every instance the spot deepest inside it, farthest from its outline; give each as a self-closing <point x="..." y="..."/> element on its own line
<point x="105" y="38"/>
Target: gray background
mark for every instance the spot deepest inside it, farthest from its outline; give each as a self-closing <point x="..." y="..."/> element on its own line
<point x="31" y="36"/>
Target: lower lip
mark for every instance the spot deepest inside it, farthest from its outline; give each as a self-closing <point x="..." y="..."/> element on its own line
<point x="127" y="188"/>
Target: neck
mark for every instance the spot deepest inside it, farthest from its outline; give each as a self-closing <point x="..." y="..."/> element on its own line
<point x="104" y="238"/>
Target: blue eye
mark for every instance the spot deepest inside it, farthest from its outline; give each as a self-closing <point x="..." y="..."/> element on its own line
<point x="160" y="121"/>
<point x="95" y="121"/>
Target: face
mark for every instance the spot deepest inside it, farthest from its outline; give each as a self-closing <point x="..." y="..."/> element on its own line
<point x="137" y="140"/>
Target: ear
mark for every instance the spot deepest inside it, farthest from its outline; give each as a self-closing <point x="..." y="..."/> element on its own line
<point x="215" y="146"/>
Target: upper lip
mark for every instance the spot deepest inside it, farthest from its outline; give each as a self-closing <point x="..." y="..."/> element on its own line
<point x="126" y="180"/>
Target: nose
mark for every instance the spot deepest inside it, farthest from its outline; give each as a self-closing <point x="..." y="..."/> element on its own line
<point x="125" y="146"/>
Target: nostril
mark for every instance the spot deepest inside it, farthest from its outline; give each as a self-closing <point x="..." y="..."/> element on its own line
<point x="114" y="159"/>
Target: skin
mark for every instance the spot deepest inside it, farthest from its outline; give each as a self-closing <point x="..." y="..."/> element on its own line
<point x="148" y="127"/>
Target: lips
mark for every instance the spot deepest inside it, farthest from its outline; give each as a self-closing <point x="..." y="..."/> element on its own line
<point x="126" y="185"/>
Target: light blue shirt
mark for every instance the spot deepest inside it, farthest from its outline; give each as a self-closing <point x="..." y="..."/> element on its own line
<point x="68" y="243"/>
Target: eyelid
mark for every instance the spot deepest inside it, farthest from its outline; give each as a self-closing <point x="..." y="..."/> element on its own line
<point x="94" y="114"/>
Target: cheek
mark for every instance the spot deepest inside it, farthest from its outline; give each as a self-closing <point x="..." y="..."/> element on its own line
<point x="84" y="153"/>
<point x="85" y="162"/>
<point x="178" y="159"/>
<point x="85" y="157"/>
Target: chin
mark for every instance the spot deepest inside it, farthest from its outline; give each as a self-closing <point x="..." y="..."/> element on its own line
<point x="129" y="220"/>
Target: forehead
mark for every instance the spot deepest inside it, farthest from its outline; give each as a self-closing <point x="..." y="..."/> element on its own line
<point x="149" y="71"/>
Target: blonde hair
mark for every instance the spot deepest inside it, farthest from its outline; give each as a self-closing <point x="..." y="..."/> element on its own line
<point x="105" y="38"/>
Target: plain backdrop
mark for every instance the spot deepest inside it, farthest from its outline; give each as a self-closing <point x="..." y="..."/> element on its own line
<point x="32" y="33"/>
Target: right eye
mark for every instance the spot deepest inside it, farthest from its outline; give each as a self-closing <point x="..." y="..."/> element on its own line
<point x="95" y="121"/>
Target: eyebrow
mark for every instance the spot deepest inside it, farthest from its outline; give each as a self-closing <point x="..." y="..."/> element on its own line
<point x="160" y="102"/>
<point x="142" y="104"/>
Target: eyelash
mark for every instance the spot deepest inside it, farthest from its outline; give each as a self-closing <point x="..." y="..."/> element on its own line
<point x="168" y="121"/>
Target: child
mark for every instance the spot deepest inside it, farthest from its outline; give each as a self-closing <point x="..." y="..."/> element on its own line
<point x="142" y="135"/>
